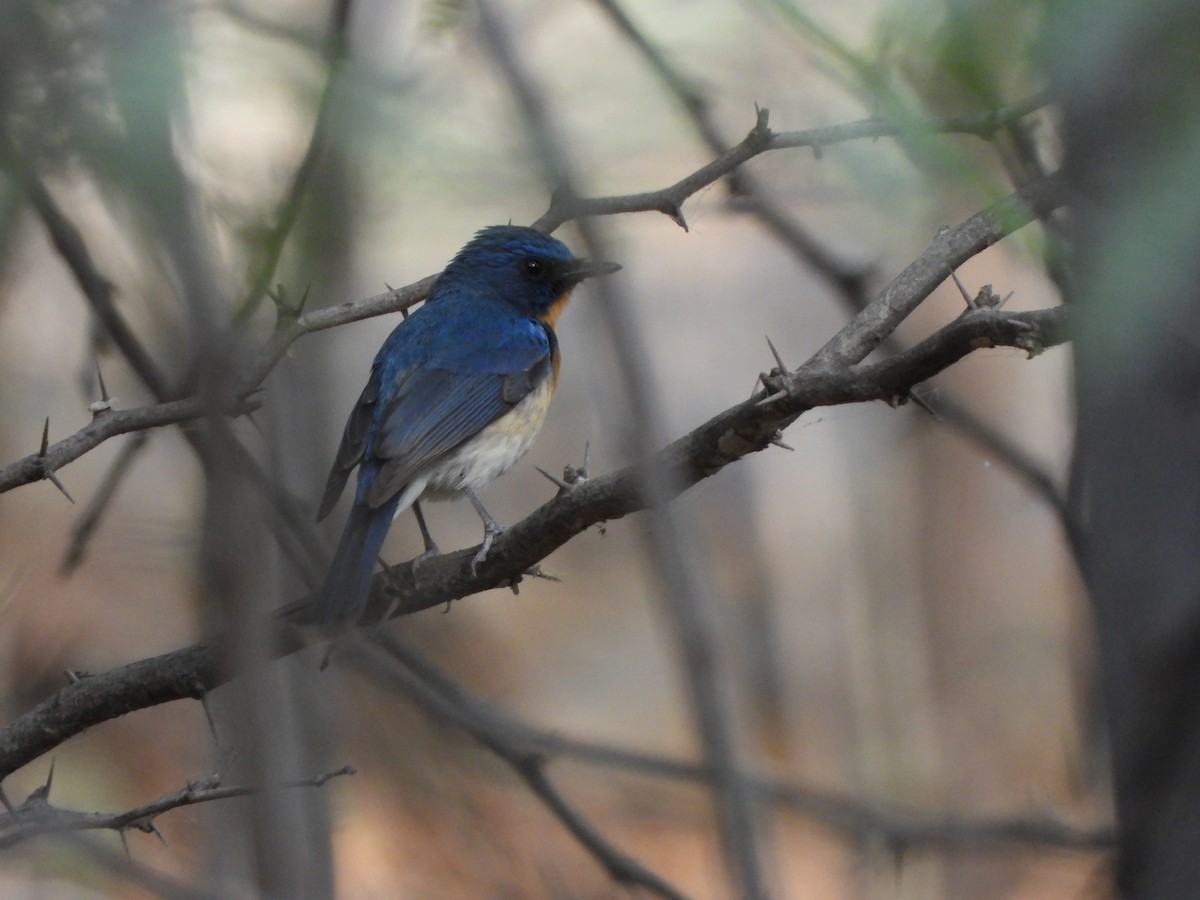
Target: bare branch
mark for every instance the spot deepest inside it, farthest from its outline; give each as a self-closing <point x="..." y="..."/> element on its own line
<point x="102" y="427"/>
<point x="949" y="250"/>
<point x="728" y="437"/>
<point x="37" y="816"/>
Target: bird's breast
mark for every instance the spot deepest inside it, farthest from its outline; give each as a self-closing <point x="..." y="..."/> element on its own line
<point x="492" y="451"/>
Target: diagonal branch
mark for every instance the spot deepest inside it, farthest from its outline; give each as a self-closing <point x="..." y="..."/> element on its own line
<point x="733" y="434"/>
<point x="441" y="698"/>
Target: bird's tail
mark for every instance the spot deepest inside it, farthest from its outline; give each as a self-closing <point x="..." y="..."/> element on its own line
<point x="344" y="595"/>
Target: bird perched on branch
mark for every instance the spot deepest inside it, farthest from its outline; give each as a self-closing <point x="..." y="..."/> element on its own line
<point x="456" y="395"/>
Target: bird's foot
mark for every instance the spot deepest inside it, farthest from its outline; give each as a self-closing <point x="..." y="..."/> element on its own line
<point x="431" y="550"/>
<point x="491" y="530"/>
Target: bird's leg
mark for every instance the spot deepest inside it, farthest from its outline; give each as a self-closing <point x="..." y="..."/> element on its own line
<point x="431" y="547"/>
<point x="491" y="528"/>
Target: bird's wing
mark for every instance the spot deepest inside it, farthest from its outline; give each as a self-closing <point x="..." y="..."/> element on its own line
<point x="431" y="409"/>
<point x="354" y="441"/>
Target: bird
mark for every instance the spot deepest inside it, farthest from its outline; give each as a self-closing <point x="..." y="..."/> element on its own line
<point x="456" y="395"/>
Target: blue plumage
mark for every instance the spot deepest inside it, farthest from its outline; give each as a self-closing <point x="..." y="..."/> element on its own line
<point x="455" y="396"/>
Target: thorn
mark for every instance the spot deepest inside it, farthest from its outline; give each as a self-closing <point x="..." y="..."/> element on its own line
<point x="818" y="151"/>
<point x="962" y="289"/>
<point x="212" y="723"/>
<point x="924" y="404"/>
<point x="125" y="843"/>
<point x="587" y="459"/>
<point x="767" y="401"/>
<point x="153" y="829"/>
<point x="74" y="677"/>
<point x="783" y="369"/>
<point x="675" y="213"/>
<point x="47" y="472"/>
<point x="536" y="571"/>
<point x="778" y="442"/>
<point x="49" y="777"/>
<point x="563" y="486"/>
<point x="100" y="379"/>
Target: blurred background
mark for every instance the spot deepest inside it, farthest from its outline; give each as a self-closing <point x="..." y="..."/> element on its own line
<point x="900" y="619"/>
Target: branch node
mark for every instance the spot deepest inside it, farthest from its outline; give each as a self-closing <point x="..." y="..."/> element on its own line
<point x="988" y="298"/>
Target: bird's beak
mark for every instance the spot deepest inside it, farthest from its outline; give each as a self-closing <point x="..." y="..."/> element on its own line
<point x="577" y="270"/>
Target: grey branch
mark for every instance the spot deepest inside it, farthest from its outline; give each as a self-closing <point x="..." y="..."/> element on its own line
<point x="37" y="816"/>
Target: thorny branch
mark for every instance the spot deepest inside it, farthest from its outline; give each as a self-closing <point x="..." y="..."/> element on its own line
<point x="292" y="328"/>
<point x="837" y="375"/>
<point x="724" y="439"/>
<point x="37" y="816"/>
<point x="850" y="281"/>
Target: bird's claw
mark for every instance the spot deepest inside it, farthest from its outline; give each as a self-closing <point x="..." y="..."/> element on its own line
<point x="490" y="532"/>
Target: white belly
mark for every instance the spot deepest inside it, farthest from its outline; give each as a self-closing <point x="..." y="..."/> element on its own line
<point x="493" y="451"/>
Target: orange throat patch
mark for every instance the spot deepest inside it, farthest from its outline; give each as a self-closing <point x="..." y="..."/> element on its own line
<point x="550" y="316"/>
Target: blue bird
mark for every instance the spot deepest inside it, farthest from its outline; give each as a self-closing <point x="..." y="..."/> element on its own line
<point x="456" y="395"/>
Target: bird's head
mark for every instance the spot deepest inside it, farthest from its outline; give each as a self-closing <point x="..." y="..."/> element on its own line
<point x="530" y="270"/>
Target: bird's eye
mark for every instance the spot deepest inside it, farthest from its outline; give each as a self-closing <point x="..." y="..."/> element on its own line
<point x="535" y="269"/>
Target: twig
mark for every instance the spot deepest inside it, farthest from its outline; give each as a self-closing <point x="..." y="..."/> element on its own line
<point x="30" y="468"/>
<point x="37" y="816"/>
<point x="949" y="250"/>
